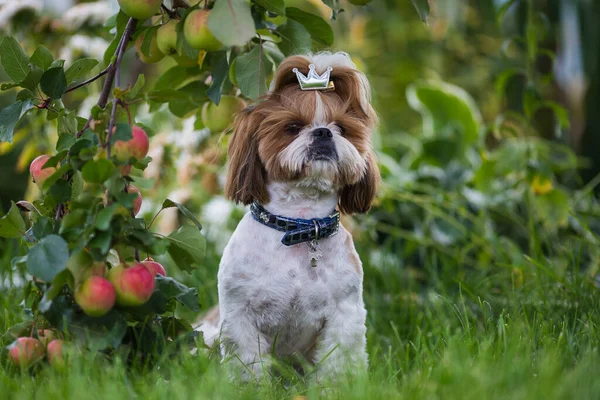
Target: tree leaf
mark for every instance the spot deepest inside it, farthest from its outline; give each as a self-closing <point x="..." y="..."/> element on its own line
<point x="10" y="116"/>
<point x="295" y="39"/>
<point x="187" y="247"/>
<point x="230" y="21"/>
<point x="54" y="82"/>
<point x="14" y="60"/>
<point x="123" y="132"/>
<point x="12" y="224"/>
<point x="172" y="289"/>
<point x="251" y="71"/>
<point x="170" y="203"/>
<point x="100" y="333"/>
<point x="32" y="79"/>
<point x="275" y="6"/>
<point x="447" y="110"/>
<point x="79" y="68"/>
<point x="422" y="7"/>
<point x="104" y="217"/>
<point x="220" y="69"/>
<point x="97" y="171"/>
<point x="139" y="85"/>
<point x="317" y="27"/>
<point x="48" y="258"/>
<point x="42" y="57"/>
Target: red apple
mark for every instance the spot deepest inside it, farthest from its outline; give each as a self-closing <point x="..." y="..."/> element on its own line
<point x="140" y="9"/>
<point x="197" y="34"/>
<point x="25" y="351"/>
<point x="136" y="147"/>
<point x="134" y="285"/>
<point x="137" y="203"/>
<point x="39" y="173"/>
<point x="45" y="336"/>
<point x="96" y="296"/>
<point x="56" y="356"/>
<point x="154" y="267"/>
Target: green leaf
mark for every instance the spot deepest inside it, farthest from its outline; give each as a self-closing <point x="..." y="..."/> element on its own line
<point x="447" y="110"/>
<point x="172" y="289"/>
<point x="62" y="279"/>
<point x="174" y="77"/>
<point x="422" y="7"/>
<point x="100" y="333"/>
<point x="42" y="58"/>
<point x="295" y="39"/>
<point x="220" y="69"/>
<point x="317" y="27"/>
<point x="79" y="68"/>
<point x="105" y="216"/>
<point x="139" y="84"/>
<point x="48" y="258"/>
<point x="187" y="247"/>
<point x="10" y="116"/>
<point x="231" y="22"/>
<point x="32" y="80"/>
<point x="170" y="203"/>
<point x="12" y="224"/>
<point x="60" y="191"/>
<point x="149" y="34"/>
<point x="52" y="179"/>
<point x="275" y="6"/>
<point x="54" y="82"/>
<point x="251" y="72"/>
<point x="14" y="60"/>
<point x="123" y="132"/>
<point x="97" y="171"/>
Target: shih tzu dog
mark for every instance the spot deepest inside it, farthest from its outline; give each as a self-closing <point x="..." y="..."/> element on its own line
<point x="290" y="280"/>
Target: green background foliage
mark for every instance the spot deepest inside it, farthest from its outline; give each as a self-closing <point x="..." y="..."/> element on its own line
<point x="480" y="256"/>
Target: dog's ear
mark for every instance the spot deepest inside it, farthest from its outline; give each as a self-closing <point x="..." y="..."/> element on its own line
<point x="246" y="176"/>
<point x="358" y="198"/>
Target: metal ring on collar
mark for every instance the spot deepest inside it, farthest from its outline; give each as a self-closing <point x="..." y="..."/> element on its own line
<point x="317" y="229"/>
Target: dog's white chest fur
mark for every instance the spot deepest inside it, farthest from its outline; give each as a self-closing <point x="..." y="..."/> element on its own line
<point x="282" y="295"/>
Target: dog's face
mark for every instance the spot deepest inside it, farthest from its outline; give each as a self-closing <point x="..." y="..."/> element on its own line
<point x="311" y="138"/>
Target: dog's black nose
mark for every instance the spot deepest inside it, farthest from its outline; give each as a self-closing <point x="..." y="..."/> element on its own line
<point x="322" y="133"/>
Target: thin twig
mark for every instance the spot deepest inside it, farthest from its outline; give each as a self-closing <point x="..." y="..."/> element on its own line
<point x="170" y="13"/>
<point x="137" y="255"/>
<point x="92" y="79"/>
<point x="110" y="76"/>
<point x="117" y="79"/>
<point x="59" y="211"/>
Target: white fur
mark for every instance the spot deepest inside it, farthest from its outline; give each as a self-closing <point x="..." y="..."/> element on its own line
<point x="272" y="302"/>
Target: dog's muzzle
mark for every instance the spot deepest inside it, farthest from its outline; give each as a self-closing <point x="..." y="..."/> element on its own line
<point x="322" y="146"/>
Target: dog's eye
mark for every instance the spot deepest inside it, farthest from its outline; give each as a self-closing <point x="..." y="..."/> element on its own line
<point x="293" y="128"/>
<point x="341" y="128"/>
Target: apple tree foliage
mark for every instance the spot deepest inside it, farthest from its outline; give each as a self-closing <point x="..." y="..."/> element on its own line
<point x="84" y="214"/>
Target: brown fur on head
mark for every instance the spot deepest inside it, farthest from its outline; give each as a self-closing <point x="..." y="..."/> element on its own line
<point x="313" y="138"/>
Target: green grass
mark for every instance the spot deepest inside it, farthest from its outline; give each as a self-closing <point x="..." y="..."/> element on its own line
<point x="488" y="335"/>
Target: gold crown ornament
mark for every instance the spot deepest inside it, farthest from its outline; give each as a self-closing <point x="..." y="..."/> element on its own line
<point x="314" y="81"/>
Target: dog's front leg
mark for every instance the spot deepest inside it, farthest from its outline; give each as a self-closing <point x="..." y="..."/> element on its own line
<point x="244" y="348"/>
<point x="342" y="345"/>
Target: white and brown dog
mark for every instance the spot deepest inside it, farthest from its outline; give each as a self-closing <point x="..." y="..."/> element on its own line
<point x="290" y="280"/>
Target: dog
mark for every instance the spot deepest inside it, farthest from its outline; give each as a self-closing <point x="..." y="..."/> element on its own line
<point x="290" y="279"/>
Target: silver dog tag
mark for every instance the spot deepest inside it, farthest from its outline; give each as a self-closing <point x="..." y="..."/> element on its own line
<point x="314" y="252"/>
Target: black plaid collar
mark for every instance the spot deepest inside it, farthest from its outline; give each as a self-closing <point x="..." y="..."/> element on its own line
<point x="297" y="230"/>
